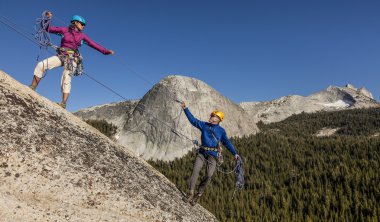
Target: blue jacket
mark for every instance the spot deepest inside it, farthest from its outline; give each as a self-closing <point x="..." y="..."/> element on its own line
<point x="207" y="138"/>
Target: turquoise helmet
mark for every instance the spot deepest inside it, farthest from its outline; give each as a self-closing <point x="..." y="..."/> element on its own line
<point x="79" y="19"/>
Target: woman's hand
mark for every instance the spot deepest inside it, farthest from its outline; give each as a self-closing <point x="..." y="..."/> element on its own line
<point x="48" y="14"/>
<point x="110" y="52"/>
<point x="183" y="105"/>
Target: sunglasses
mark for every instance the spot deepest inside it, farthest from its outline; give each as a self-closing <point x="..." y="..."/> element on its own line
<point x="82" y="24"/>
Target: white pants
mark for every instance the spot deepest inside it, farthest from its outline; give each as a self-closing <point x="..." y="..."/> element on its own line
<point x="51" y="63"/>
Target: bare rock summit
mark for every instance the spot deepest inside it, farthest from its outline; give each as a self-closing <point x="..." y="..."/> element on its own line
<point x="150" y="130"/>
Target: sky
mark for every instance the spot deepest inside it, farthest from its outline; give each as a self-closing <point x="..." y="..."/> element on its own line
<point x="256" y="50"/>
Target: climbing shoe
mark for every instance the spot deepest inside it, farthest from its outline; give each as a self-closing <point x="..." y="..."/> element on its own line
<point x="63" y="105"/>
<point x="188" y="198"/>
<point x="33" y="87"/>
<point x="194" y="201"/>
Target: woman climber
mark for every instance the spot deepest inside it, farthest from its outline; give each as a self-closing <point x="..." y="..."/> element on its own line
<point x="212" y="133"/>
<point x="67" y="54"/>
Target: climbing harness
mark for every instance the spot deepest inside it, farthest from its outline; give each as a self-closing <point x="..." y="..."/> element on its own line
<point x="216" y="149"/>
<point x="238" y="169"/>
<point x="71" y="60"/>
<point x="42" y="39"/>
<point x="122" y="62"/>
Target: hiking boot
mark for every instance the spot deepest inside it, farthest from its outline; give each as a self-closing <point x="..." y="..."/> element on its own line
<point x="194" y="201"/>
<point x="63" y="105"/>
<point x="188" y="198"/>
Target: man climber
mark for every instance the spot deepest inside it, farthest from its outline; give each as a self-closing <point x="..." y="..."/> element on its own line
<point x="212" y="133"/>
<point x="68" y="54"/>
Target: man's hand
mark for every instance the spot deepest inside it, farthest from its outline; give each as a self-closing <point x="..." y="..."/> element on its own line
<point x="237" y="157"/>
<point x="183" y="105"/>
<point x="110" y="52"/>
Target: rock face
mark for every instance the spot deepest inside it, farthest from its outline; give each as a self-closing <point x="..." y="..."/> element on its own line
<point x="350" y="86"/>
<point x="115" y="113"/>
<point x="150" y="122"/>
<point x="55" y="167"/>
<point x="324" y="132"/>
<point x="149" y="130"/>
<point x="333" y="98"/>
<point x="365" y="92"/>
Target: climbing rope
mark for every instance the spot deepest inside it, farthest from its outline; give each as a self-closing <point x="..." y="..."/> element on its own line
<point x="42" y="36"/>
<point x="239" y="173"/>
<point x="238" y="170"/>
<point x="140" y="107"/>
<point x="7" y="22"/>
<point x="40" y="27"/>
<point x="142" y="110"/>
<point x="43" y="40"/>
<point x="177" y="124"/>
<point x="239" y="176"/>
<point x="127" y="67"/>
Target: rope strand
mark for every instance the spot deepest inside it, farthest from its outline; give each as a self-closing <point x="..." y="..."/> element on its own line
<point x="138" y="75"/>
<point x="43" y="40"/>
<point x="7" y="22"/>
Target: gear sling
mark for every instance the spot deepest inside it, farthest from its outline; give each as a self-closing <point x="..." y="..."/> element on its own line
<point x="218" y="149"/>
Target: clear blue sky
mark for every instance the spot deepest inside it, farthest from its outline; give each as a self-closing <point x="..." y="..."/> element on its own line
<point x="247" y="50"/>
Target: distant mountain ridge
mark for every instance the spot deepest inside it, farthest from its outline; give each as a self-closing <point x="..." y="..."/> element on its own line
<point x="151" y="140"/>
<point x="333" y="98"/>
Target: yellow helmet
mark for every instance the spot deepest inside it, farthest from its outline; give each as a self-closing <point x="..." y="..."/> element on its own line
<point x="218" y="114"/>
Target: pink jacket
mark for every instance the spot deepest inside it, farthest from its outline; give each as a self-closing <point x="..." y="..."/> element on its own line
<point x="72" y="39"/>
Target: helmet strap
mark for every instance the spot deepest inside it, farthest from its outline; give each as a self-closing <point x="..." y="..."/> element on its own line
<point x="215" y="122"/>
